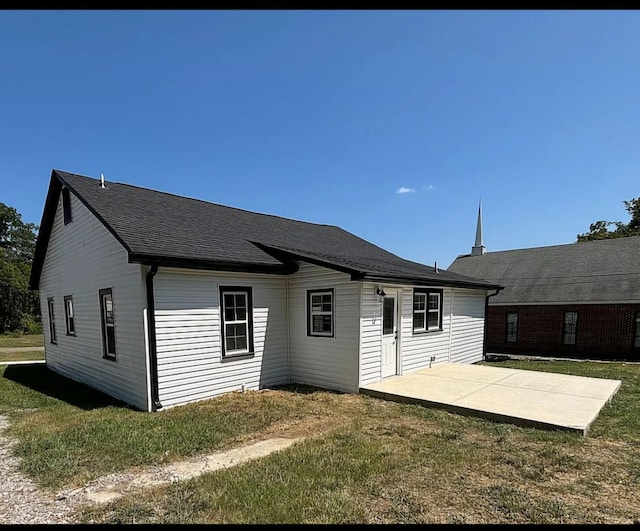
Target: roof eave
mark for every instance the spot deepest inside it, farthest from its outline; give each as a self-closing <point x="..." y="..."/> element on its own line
<point x="44" y="231"/>
<point x="212" y="265"/>
<point x="423" y="281"/>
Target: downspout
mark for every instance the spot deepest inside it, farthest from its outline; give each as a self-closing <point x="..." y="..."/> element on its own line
<point x="151" y="330"/>
<point x="486" y="322"/>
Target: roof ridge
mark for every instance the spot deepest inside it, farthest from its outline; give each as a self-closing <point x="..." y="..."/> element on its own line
<point x="551" y="246"/>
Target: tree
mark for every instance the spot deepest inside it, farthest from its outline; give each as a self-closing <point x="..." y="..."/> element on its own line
<point x="600" y="229"/>
<point x="18" y="239"/>
<point x="19" y="307"/>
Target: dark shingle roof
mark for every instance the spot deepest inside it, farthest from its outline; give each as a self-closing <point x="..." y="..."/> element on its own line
<point x="162" y="228"/>
<point x="594" y="271"/>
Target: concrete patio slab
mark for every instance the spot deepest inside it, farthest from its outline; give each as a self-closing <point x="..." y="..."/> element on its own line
<point x="523" y="397"/>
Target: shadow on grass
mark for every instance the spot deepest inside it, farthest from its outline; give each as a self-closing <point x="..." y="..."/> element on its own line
<point x="304" y="389"/>
<point x="40" y="379"/>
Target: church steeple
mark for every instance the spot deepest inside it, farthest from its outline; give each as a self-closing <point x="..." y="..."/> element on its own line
<point x="478" y="248"/>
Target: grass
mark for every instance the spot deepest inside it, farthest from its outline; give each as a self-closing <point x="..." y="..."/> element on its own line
<point x="21" y="356"/>
<point x="21" y="340"/>
<point x="364" y="460"/>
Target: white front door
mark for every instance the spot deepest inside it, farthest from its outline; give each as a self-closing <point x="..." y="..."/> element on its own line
<point x="390" y="335"/>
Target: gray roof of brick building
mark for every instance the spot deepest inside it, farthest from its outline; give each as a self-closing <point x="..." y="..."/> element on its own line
<point x="606" y="271"/>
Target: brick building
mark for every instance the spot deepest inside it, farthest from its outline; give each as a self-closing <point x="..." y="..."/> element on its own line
<point x="578" y="300"/>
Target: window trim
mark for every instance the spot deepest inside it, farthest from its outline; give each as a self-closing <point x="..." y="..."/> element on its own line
<point x="66" y="206"/>
<point x="310" y="313"/>
<point x="564" y="329"/>
<point x="250" y="352"/>
<point x="426" y="292"/>
<point x="70" y="330"/>
<point x="51" y="310"/>
<point x="515" y="333"/>
<point x="103" y="324"/>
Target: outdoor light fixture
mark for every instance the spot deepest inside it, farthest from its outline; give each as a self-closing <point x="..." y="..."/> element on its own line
<point x="381" y="294"/>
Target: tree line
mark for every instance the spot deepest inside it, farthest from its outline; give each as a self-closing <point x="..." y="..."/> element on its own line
<point x="19" y="306"/>
<point x="600" y="229"/>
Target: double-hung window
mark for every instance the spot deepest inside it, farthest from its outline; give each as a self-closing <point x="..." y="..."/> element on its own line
<point x="570" y="324"/>
<point x="237" y="321"/>
<point x="69" y="315"/>
<point x="52" y="321"/>
<point x="427" y="310"/>
<point x="512" y="327"/>
<point x="320" y="312"/>
<point x="108" y="324"/>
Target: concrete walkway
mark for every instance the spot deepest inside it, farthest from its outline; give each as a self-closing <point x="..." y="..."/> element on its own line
<point x="523" y="397"/>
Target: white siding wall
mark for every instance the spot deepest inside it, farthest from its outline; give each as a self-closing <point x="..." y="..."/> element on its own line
<point x="83" y="257"/>
<point x="468" y="325"/>
<point x="330" y="362"/>
<point x="189" y="348"/>
<point x="417" y="349"/>
<point x="371" y="331"/>
<point x="460" y="340"/>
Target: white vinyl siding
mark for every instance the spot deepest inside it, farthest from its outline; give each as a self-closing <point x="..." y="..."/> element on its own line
<point x="467" y="332"/>
<point x="83" y="257"/>
<point x="462" y="343"/>
<point x="371" y="335"/>
<point x="417" y="349"/>
<point x="189" y="344"/>
<point x="330" y="362"/>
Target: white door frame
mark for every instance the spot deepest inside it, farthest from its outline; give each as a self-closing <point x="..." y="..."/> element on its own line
<point x="386" y="371"/>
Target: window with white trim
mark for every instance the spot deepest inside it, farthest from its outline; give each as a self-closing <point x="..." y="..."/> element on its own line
<point x="570" y="324"/>
<point x="52" y="321"/>
<point x="427" y="310"/>
<point x="108" y="324"/>
<point x="69" y="315"/>
<point x="320" y="312"/>
<point x="512" y="327"/>
<point x="236" y="315"/>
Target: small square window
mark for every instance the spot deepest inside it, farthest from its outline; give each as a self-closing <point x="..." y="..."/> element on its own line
<point x="320" y="313"/>
<point x="427" y="310"/>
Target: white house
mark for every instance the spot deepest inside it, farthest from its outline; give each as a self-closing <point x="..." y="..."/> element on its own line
<point x="160" y="300"/>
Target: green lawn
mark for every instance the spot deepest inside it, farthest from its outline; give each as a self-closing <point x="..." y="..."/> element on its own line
<point x="364" y="460"/>
<point x="20" y="340"/>
<point x="21" y="356"/>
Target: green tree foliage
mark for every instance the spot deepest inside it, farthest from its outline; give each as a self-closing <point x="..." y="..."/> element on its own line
<point x="600" y="229"/>
<point x="19" y="307"/>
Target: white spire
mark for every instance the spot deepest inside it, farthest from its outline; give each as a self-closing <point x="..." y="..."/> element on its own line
<point x="478" y="248"/>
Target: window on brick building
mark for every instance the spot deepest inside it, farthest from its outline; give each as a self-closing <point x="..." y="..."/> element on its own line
<point x="570" y="322"/>
<point x="636" y="343"/>
<point x="512" y="327"/>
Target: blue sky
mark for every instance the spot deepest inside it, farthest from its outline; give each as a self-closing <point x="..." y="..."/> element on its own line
<point x="325" y="116"/>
